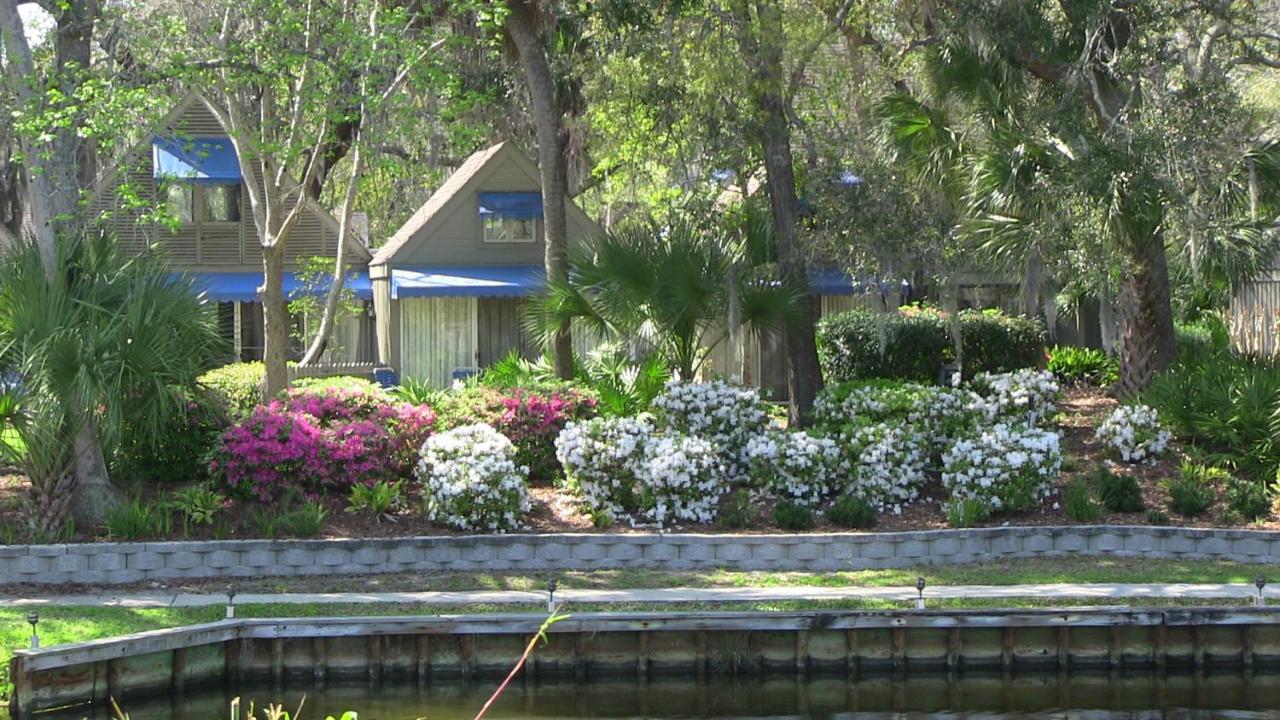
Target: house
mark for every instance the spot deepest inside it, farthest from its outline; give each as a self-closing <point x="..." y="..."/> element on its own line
<point x="180" y="192"/>
<point x="449" y="285"/>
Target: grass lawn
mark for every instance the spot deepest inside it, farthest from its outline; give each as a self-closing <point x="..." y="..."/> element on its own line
<point x="1010" y="572"/>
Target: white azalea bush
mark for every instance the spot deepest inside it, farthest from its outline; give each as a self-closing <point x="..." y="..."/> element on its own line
<point x="470" y="479"/>
<point x="1135" y="433"/>
<point x="723" y="414"/>
<point x="601" y="457"/>
<point x="888" y="462"/>
<point x="939" y="412"/>
<point x="1026" y="395"/>
<point x="680" y="478"/>
<point x="797" y="466"/>
<point x="1009" y="466"/>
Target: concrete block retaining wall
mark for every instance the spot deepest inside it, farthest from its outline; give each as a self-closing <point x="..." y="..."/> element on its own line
<point x="118" y="563"/>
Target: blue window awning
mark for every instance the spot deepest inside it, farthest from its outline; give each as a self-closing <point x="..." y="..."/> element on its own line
<point x="512" y="205"/>
<point x="834" y="281"/>
<point x="243" y="286"/>
<point x="450" y="281"/>
<point x="204" y="160"/>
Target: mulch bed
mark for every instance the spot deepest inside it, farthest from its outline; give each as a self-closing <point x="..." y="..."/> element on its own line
<point x="554" y="509"/>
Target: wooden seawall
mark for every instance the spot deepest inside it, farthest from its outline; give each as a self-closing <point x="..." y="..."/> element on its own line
<point x="418" y="649"/>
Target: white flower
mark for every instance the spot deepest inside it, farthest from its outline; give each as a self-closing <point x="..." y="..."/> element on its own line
<point x="470" y="479"/>
<point x="1007" y="466"/>
<point x="1135" y="432"/>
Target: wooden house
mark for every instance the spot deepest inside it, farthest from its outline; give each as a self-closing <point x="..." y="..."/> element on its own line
<point x="180" y="192"/>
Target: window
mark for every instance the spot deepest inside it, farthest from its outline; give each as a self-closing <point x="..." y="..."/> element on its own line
<point x="221" y="203"/>
<point x="508" y="230"/>
<point x="178" y="201"/>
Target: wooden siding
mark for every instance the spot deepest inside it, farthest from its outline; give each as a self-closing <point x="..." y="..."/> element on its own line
<point x="500" y="330"/>
<point x="437" y="336"/>
<point x="200" y="245"/>
<point x="1255" y="317"/>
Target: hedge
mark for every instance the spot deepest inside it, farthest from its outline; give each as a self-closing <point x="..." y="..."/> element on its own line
<point x="918" y="344"/>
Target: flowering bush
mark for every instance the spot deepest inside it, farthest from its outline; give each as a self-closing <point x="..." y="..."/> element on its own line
<point x="531" y="418"/>
<point x="470" y="479"/>
<point x="679" y="479"/>
<point x="939" y="412"/>
<point x="797" y="466"/>
<point x="601" y="456"/>
<point x="725" y="415"/>
<point x="888" y="461"/>
<point x="237" y="386"/>
<point x="317" y="442"/>
<point x="1022" y="395"/>
<point x="1135" y="432"/>
<point x="1008" y="466"/>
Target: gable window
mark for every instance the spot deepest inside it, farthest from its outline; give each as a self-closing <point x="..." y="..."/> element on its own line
<point x="179" y="199"/>
<point x="510" y="217"/>
<point x="221" y="202"/>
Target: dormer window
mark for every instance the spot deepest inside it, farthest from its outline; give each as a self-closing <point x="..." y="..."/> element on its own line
<point x="199" y="178"/>
<point x="510" y="217"/>
<point x="221" y="202"/>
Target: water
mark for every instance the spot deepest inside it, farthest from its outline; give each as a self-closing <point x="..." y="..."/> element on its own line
<point x="985" y="697"/>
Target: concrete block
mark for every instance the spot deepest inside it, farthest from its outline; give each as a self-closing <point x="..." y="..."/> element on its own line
<point x="661" y="553"/>
<point x="912" y="549"/>
<point x="1106" y="542"/>
<point x="333" y="557"/>
<point x="625" y="553"/>
<point x="447" y="554"/>
<point x="69" y="564"/>
<point x="1213" y="546"/>
<point x="371" y="557"/>
<point x="1179" y="544"/>
<point x="1039" y="543"/>
<point x="1250" y="547"/>
<point x="222" y="559"/>
<point x="943" y="547"/>
<point x="1070" y="542"/>
<point x="1006" y="545"/>
<point x="46" y="550"/>
<point x="31" y="565"/>
<point x="588" y="552"/>
<point x="146" y="561"/>
<point x="258" y="558"/>
<point x="1139" y="542"/>
<point x="186" y="560"/>
<point x="877" y="550"/>
<point x="731" y="552"/>
<point x="404" y="555"/>
<point x="296" y="557"/>
<point x="698" y="552"/>
<point x="804" y="552"/>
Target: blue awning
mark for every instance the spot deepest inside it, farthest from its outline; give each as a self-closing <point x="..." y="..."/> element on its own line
<point x="834" y="281"/>
<point x="243" y="286"/>
<point x="513" y="205"/>
<point x="452" y="281"/>
<point x="205" y="160"/>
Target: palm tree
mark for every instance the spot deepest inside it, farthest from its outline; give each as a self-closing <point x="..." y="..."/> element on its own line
<point x="111" y="341"/>
<point x="668" y="286"/>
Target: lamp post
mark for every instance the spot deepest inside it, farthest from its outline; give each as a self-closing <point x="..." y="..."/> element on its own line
<point x="231" y="602"/>
<point x="1260" y="583"/>
<point x="551" y="595"/>
<point x="920" y="593"/>
<point x="33" y="618"/>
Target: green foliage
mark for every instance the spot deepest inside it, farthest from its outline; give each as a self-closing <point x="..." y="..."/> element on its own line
<point x="136" y="518"/>
<point x="1118" y="493"/>
<point x="198" y="504"/>
<point x="790" y="516"/>
<point x="1206" y="337"/>
<point x="179" y="453"/>
<point x="1248" y="498"/>
<point x="737" y="511"/>
<point x="1082" y="366"/>
<point x="1191" y="494"/>
<point x="851" y="511"/>
<point x="238" y="386"/>
<point x="918" y="344"/>
<point x="339" y="382"/>
<point x="1078" y="502"/>
<point x="1224" y="406"/>
<point x="417" y="392"/>
<point x="379" y="499"/>
<point x="304" y="520"/>
<point x="1157" y="517"/>
<point x="315" y="277"/>
<point x="966" y="512"/>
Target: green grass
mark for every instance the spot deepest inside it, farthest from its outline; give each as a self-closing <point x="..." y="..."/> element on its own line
<point x="1011" y="572"/>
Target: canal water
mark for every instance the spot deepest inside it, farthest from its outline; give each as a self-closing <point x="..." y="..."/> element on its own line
<point x="985" y="697"/>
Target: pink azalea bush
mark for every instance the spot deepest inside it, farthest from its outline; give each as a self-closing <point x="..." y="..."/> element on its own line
<point x="531" y="418"/>
<point x="317" y="442"/>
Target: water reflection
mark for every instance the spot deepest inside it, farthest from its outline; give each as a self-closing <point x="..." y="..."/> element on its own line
<point x="1136" y="696"/>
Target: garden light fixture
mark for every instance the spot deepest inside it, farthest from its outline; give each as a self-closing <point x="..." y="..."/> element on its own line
<point x="920" y="590"/>
<point x="33" y="618"/>
<point x="1260" y="582"/>
<point x="231" y="602"/>
<point x="551" y="595"/>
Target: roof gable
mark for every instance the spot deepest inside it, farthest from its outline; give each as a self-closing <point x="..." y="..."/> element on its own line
<point x="459" y="188"/>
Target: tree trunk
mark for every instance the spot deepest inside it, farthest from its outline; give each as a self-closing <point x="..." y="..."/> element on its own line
<point x="762" y="54"/>
<point x="1148" y="344"/>
<point x="275" y="320"/>
<point x="94" y="495"/>
<point x="327" y="320"/>
<point x="551" y="164"/>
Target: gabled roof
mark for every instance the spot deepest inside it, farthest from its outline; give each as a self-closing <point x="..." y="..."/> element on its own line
<point x="464" y="180"/>
<point x="109" y="180"/>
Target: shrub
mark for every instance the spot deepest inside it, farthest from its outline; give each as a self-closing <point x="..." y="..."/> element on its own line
<point x="1082" y="366"/>
<point x="1157" y="517"/>
<point x="601" y="457"/>
<point x="1010" y="467"/>
<point x="531" y="418"/>
<point x="1118" y="493"/>
<point x="738" y="512"/>
<point x="237" y="386"/>
<point x="1135" y="432"/>
<point x="801" y="468"/>
<point x="940" y="412"/>
<point x="792" y="516"/>
<point x="1029" y="396"/>
<point x="966" y="512"/>
<point x="349" y="383"/>
<point x="888" y="463"/>
<point x="471" y="481"/>
<point x="1191" y="494"/>
<point x="679" y="479"/>
<point x="918" y="343"/>
<point x="379" y="499"/>
<point x="198" y="505"/>
<point x="179" y="452"/>
<point x="135" y="518"/>
<point x="1078" y="502"/>
<point x="314" y="443"/>
<point x="418" y="392"/>
<point x="850" y="511"/>
<point x="1248" y="498"/>
<point x="725" y="415"/>
<point x="305" y="520"/>
<point x="993" y="342"/>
